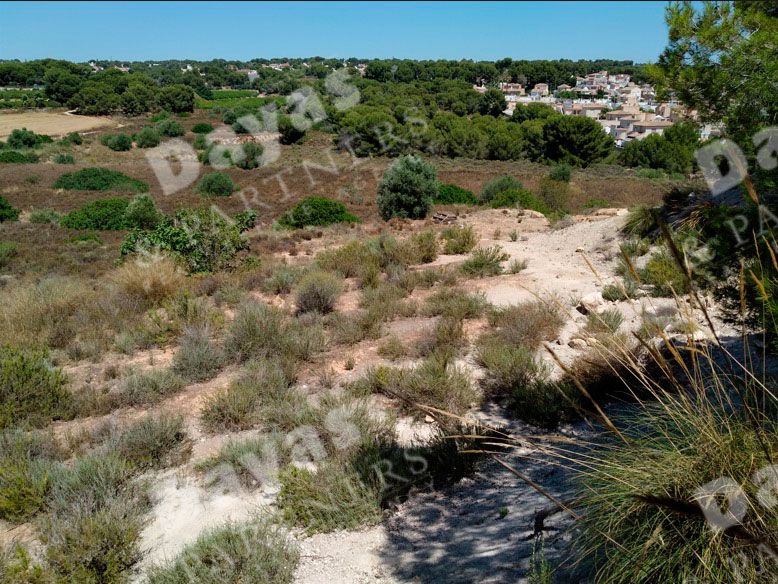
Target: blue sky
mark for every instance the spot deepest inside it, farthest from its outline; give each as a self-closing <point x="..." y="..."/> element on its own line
<point x="80" y="31"/>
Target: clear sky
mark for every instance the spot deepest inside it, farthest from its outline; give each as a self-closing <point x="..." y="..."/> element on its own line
<point x="80" y="31"/>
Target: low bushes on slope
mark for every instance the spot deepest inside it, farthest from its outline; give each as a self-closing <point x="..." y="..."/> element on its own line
<point x="318" y="211"/>
<point x="99" y="179"/>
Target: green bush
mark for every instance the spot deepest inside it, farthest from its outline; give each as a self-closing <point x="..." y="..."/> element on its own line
<point x="170" y="128"/>
<point x="99" y="179"/>
<point x="7" y="212"/>
<point x="561" y="172"/>
<point x="518" y="199"/>
<point x="73" y="138"/>
<point x="216" y="184"/>
<point x="141" y="213"/>
<point x="246" y="220"/>
<point x="202" y="128"/>
<point x="150" y="442"/>
<point x="147" y="138"/>
<point x="25" y="138"/>
<point x="664" y="274"/>
<point x="102" y="214"/>
<point x="499" y="185"/>
<point x="255" y="552"/>
<point x="64" y="159"/>
<point x="197" y="359"/>
<point x="327" y="500"/>
<point x="25" y="467"/>
<point x="251" y="156"/>
<point x="455" y="303"/>
<point x="31" y="391"/>
<point x="8" y="250"/>
<point x="318" y="292"/>
<point x="485" y="261"/>
<point x="97" y="546"/>
<point x="12" y="156"/>
<point x="458" y="239"/>
<point x="149" y="387"/>
<point x="407" y="189"/>
<point x="203" y="239"/>
<point x="117" y="142"/>
<point x="316" y="211"/>
<point x="453" y="195"/>
<point x="555" y="194"/>
<point x="596" y="204"/>
<point x="290" y="134"/>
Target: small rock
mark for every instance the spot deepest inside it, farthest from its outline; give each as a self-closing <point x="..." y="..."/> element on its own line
<point x="429" y="419"/>
<point x="577" y="344"/>
<point x="579" y="250"/>
<point x="590" y="303"/>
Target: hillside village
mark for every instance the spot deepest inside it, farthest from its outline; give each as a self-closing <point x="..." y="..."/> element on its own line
<point x="626" y="110"/>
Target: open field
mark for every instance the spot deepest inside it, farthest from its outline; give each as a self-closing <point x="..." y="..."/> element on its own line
<point x="51" y="123"/>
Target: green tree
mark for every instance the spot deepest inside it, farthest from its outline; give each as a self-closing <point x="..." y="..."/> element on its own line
<point x="139" y="98"/>
<point x="95" y="99"/>
<point x="61" y="85"/>
<point x="722" y="60"/>
<point x="576" y="140"/>
<point x="407" y="189"/>
<point x="492" y="103"/>
<point x="177" y="98"/>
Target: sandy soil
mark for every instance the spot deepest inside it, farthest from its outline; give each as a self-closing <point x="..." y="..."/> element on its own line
<point x="51" y="123"/>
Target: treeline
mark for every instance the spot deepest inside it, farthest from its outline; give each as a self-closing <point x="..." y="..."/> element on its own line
<point x="98" y="93"/>
<point x="538" y="134"/>
<point x="554" y="72"/>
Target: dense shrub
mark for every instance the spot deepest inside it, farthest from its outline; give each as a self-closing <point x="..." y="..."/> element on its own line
<point x="117" y="142"/>
<point x="216" y="184"/>
<point x="25" y="138"/>
<point x="99" y="179"/>
<point x="149" y="387"/>
<point x="561" y="172"/>
<point x="407" y="189"/>
<point x="7" y="212"/>
<point x="663" y="273"/>
<point x="485" y="261"/>
<point x="316" y="211"/>
<point x="25" y="467"/>
<point x="147" y="138"/>
<point x="202" y="128"/>
<point x="203" y="239"/>
<point x="14" y="157"/>
<point x="141" y="213"/>
<point x="458" y="239"/>
<point x="497" y="186"/>
<point x="290" y="134"/>
<point x="31" y="392"/>
<point x="521" y="199"/>
<point x="152" y="441"/>
<point x="73" y="138"/>
<point x="170" y="128"/>
<point x="453" y="195"/>
<point x="246" y="220"/>
<point x="103" y="214"/>
<point x="251" y="156"/>
<point x="197" y="358"/>
<point x="150" y="281"/>
<point x="64" y="159"/>
<point x="318" y="292"/>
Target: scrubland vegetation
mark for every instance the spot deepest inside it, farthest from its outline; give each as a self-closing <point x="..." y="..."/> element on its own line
<point x="315" y="330"/>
